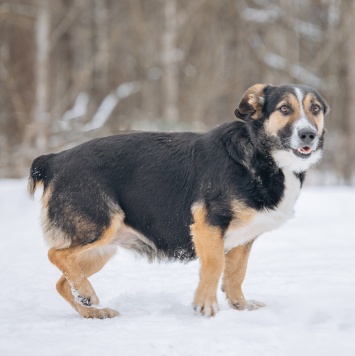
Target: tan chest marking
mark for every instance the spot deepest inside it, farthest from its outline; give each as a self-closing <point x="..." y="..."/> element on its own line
<point x="249" y="224"/>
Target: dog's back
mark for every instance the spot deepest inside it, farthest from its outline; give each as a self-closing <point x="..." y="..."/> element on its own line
<point x="147" y="178"/>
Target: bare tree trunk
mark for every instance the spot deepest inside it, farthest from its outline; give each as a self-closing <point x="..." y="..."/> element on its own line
<point x="350" y="100"/>
<point x="41" y="114"/>
<point x="170" y="80"/>
<point x="101" y="19"/>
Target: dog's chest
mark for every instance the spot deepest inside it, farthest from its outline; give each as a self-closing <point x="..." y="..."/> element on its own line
<point x="241" y="232"/>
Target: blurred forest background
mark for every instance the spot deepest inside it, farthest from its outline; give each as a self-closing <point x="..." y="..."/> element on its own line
<point x="72" y="70"/>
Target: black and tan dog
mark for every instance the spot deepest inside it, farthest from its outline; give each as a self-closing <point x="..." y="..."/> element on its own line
<point x="178" y="196"/>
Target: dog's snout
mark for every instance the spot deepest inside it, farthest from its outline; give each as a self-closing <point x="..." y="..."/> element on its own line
<point x="307" y="135"/>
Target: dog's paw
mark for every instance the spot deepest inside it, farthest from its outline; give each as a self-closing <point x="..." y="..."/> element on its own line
<point x="246" y="305"/>
<point x="94" y="313"/>
<point x="206" y="308"/>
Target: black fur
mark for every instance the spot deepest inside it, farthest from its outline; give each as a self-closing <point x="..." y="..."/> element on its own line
<point x="155" y="178"/>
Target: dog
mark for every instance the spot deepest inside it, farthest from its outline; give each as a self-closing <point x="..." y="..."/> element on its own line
<point x="180" y="196"/>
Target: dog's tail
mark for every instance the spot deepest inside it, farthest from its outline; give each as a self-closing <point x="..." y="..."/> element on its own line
<point x="38" y="172"/>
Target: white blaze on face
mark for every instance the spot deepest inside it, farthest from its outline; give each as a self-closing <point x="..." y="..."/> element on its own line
<point x="286" y="159"/>
<point x="302" y="123"/>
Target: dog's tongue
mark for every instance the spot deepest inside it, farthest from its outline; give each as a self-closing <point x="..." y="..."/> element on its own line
<point x="305" y="149"/>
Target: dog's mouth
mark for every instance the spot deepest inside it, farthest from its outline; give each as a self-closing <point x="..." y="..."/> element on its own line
<point x="303" y="152"/>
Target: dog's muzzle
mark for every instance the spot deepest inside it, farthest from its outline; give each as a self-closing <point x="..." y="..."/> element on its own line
<point x="307" y="136"/>
<point x="307" y="142"/>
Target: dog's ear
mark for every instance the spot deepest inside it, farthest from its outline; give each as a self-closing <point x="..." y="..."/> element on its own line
<point x="326" y="107"/>
<point x="252" y="102"/>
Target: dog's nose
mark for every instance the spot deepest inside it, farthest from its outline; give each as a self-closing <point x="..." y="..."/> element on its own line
<point x="307" y="135"/>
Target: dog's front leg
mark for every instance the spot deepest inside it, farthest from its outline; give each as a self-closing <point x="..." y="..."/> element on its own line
<point x="236" y="262"/>
<point x="209" y="246"/>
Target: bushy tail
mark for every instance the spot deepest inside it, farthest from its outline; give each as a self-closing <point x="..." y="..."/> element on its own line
<point x="38" y="172"/>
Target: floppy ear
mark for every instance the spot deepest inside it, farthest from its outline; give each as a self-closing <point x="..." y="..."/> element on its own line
<point x="326" y="107"/>
<point x="252" y="102"/>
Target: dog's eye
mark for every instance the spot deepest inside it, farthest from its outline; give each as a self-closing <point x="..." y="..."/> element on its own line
<point x="284" y="109"/>
<point x="315" y="109"/>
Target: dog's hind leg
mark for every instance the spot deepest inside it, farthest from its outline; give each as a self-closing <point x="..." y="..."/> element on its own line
<point x="235" y="269"/>
<point x="77" y="264"/>
<point x="90" y="262"/>
<point x="209" y="246"/>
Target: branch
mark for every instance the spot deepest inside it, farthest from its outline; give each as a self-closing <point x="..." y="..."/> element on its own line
<point x="109" y="103"/>
<point x="17" y="102"/>
<point x="64" y="25"/>
<point x="295" y="71"/>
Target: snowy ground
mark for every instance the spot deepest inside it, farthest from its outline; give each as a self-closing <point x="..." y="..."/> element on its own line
<point x="304" y="272"/>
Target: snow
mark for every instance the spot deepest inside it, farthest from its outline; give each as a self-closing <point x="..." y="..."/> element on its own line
<point x="304" y="272"/>
<point x="308" y="29"/>
<point x="261" y="15"/>
<point x="79" y="109"/>
<point x="273" y="60"/>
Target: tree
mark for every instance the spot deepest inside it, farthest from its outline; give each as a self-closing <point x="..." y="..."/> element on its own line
<point x="41" y="114"/>
<point x="71" y="70"/>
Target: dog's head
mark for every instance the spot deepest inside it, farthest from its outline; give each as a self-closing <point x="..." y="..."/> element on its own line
<point x="291" y="118"/>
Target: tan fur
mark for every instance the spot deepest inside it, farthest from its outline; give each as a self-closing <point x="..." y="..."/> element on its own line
<point x="255" y="98"/>
<point x="90" y="262"/>
<point x="318" y="119"/>
<point x="54" y="236"/>
<point x="236" y="262"/>
<point x="32" y="186"/>
<point x="134" y="241"/>
<point x="242" y="215"/>
<point x="46" y="196"/>
<point x="277" y="121"/>
<point x="209" y="248"/>
<point x="80" y="262"/>
<point x="234" y="273"/>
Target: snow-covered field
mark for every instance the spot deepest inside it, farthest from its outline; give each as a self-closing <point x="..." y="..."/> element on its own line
<point x="304" y="272"/>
